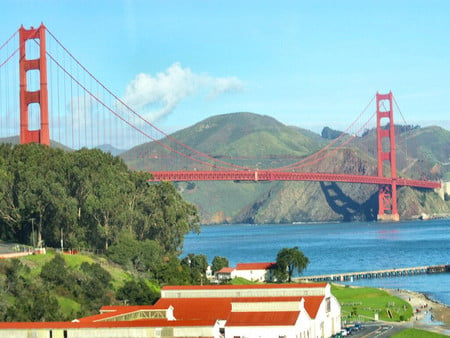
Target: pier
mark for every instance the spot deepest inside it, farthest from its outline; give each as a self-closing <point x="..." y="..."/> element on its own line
<point x="398" y="272"/>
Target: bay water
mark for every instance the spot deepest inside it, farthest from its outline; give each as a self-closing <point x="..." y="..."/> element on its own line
<point x="340" y="247"/>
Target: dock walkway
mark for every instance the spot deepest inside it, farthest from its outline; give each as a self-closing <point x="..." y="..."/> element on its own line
<point x="398" y="272"/>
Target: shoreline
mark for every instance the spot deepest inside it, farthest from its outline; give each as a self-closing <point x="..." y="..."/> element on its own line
<point x="429" y="314"/>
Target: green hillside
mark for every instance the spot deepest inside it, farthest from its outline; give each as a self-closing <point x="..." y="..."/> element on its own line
<point x="257" y="141"/>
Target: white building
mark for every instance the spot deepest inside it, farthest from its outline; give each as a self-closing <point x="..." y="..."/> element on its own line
<point x="255" y="272"/>
<point x="225" y="274"/>
<point x="221" y="311"/>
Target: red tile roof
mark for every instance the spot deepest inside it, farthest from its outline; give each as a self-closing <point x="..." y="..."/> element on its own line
<point x="197" y="308"/>
<point x="225" y="270"/>
<point x="267" y="299"/>
<point x="262" y="318"/>
<point x="312" y="304"/>
<point x="194" y="311"/>
<point x="255" y="266"/>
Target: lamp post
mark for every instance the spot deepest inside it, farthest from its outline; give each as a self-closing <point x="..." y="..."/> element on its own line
<point x="32" y="232"/>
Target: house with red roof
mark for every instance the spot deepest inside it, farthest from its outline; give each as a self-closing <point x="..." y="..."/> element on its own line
<point x="225" y="274"/>
<point x="255" y="272"/>
<point x="216" y="311"/>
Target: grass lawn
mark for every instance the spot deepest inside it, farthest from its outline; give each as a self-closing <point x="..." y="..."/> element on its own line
<point x="414" y="333"/>
<point x="361" y="304"/>
<point x="241" y="281"/>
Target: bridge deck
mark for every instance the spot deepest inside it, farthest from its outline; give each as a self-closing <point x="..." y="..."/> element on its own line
<point x="272" y="175"/>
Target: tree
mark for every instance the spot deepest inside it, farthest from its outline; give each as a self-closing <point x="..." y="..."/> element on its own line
<point x="289" y="260"/>
<point x="169" y="217"/>
<point x="142" y="256"/>
<point x="55" y="271"/>
<point x="137" y="292"/>
<point x="90" y="198"/>
<point x="219" y="262"/>
<point x="197" y="265"/>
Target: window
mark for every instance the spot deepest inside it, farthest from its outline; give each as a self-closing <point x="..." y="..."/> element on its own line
<point x="328" y="304"/>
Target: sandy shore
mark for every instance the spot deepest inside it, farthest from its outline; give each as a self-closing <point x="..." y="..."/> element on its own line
<point x="428" y="314"/>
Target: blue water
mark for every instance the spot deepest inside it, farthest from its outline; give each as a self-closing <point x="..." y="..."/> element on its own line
<point x="340" y="247"/>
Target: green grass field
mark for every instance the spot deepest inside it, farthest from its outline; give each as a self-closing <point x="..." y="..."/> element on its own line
<point x="362" y="304"/>
<point x="414" y="333"/>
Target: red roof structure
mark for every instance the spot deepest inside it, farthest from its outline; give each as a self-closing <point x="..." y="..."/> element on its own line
<point x="225" y="270"/>
<point x="280" y="318"/>
<point x="255" y="266"/>
<point x="201" y="309"/>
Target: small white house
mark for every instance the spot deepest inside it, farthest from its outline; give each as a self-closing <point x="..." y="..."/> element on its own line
<point x="225" y="274"/>
<point x="256" y="272"/>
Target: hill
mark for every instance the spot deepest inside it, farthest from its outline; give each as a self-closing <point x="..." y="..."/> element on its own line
<point x="259" y="141"/>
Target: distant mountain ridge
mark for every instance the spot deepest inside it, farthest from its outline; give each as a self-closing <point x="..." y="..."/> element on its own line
<point x="260" y="141"/>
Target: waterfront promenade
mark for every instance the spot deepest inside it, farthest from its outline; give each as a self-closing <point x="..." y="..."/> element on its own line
<point x="396" y="272"/>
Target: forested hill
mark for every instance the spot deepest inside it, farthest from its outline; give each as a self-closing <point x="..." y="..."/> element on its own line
<point x="90" y="197"/>
<point x="259" y="141"/>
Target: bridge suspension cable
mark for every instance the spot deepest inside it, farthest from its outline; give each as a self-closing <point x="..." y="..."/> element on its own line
<point x="140" y="117"/>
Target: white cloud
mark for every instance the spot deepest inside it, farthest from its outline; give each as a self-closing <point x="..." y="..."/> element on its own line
<point x="160" y="94"/>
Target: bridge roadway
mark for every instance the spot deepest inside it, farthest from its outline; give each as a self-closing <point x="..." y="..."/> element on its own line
<point x="349" y="276"/>
<point x="272" y="175"/>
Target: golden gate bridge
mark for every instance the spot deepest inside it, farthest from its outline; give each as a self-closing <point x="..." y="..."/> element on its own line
<point x="44" y="88"/>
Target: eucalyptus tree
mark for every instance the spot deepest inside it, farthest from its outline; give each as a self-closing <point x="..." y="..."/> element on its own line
<point x="169" y="217"/>
<point x="289" y="260"/>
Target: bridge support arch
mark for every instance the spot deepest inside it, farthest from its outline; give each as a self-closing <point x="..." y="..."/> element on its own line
<point x="387" y="193"/>
<point x="39" y="96"/>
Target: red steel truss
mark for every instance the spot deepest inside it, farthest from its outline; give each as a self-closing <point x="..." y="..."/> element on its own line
<point x="268" y="175"/>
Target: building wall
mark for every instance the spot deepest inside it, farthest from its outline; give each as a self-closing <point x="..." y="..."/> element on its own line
<point x="301" y="328"/>
<point x="251" y="292"/>
<point x="19" y="333"/>
<point x="261" y="332"/>
<point x="130" y="332"/>
<point x="326" y="322"/>
<point x="252" y="275"/>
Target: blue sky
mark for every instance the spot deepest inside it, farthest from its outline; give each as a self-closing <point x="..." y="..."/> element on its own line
<point x="306" y="63"/>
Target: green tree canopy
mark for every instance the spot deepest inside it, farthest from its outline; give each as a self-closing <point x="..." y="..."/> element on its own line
<point x="137" y="292"/>
<point x="289" y="260"/>
<point x="86" y="199"/>
<point x="219" y="262"/>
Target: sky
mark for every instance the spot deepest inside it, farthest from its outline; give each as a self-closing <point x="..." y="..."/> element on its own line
<point x="306" y="63"/>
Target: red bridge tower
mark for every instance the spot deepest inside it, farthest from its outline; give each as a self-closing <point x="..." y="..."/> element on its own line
<point x="387" y="193"/>
<point x="39" y="96"/>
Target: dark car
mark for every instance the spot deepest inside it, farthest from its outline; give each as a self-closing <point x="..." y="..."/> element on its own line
<point x="357" y="327"/>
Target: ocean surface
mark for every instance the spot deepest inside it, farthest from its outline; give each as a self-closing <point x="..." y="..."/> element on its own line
<point x="340" y="247"/>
